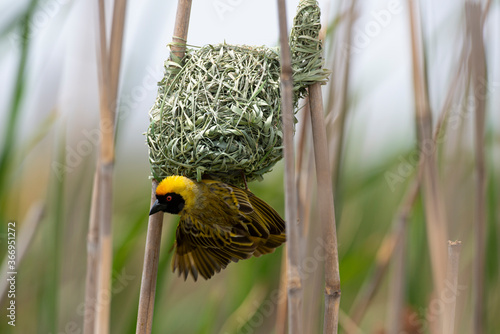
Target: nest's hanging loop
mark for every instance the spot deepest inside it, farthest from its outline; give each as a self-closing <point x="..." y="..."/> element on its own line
<point x="306" y="48"/>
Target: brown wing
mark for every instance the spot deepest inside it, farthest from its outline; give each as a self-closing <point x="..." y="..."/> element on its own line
<point x="270" y="218"/>
<point x="246" y="220"/>
<point x="205" y="250"/>
<point x="265" y="215"/>
<point x="255" y="217"/>
<point x="245" y="226"/>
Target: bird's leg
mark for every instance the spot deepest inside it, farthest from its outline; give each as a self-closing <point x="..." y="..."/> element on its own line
<point x="244" y="179"/>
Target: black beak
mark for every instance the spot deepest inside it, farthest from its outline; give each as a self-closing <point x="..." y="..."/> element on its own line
<point x="156" y="208"/>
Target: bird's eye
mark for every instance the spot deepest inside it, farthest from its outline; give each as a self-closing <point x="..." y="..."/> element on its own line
<point x="169" y="198"/>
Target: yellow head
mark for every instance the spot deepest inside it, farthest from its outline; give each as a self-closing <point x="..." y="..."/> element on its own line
<point x="173" y="194"/>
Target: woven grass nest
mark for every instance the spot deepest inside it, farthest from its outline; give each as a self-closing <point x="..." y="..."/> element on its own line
<point x="218" y="111"/>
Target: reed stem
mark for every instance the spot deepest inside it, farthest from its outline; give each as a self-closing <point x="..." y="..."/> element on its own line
<point x="326" y="210"/>
<point x="293" y="228"/>
<point x="153" y="239"/>
<point x="99" y="239"/>
<point x="454" y="248"/>
<point x="479" y="81"/>
<point x="92" y="260"/>
<point x="150" y="269"/>
<point x="435" y="215"/>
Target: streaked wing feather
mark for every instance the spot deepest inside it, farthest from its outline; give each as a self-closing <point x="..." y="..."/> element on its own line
<point x="233" y="196"/>
<point x="244" y="205"/>
<point x="251" y="227"/>
<point x="204" y="250"/>
<point x="271" y="218"/>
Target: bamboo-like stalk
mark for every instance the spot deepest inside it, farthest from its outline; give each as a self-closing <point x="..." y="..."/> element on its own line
<point x="150" y="269"/>
<point x="115" y="50"/>
<point x="301" y="174"/>
<point x="478" y="79"/>
<point x="94" y="235"/>
<point x="397" y="291"/>
<point x="181" y="28"/>
<point x="294" y="280"/>
<point x="337" y="113"/>
<point x="434" y="209"/>
<point x="302" y="139"/>
<point x="92" y="260"/>
<point x="304" y="176"/>
<point x="306" y="187"/>
<point x="328" y="170"/>
<point x="341" y="107"/>
<point x="103" y="302"/>
<point x="99" y="266"/>
<point x="326" y="210"/>
<point x="336" y="50"/>
<point x="305" y="199"/>
<point x="281" y="307"/>
<point x="454" y="248"/>
<point x="153" y="240"/>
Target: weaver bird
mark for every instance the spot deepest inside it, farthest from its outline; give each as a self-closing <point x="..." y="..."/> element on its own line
<point x="219" y="223"/>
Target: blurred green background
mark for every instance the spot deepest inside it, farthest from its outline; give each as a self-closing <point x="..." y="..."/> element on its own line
<point x="49" y="121"/>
